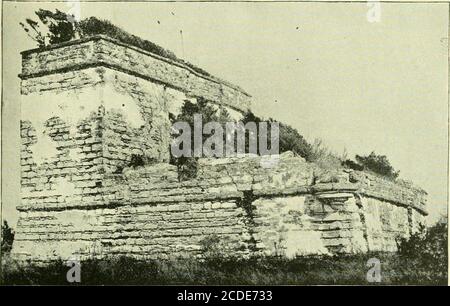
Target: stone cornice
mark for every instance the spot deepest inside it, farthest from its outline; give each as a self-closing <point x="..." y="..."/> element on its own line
<point x="107" y="38"/>
<point x="103" y="51"/>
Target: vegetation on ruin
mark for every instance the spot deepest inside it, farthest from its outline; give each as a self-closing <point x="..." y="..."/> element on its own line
<point x="187" y="166"/>
<point x="289" y="140"/>
<point x="378" y="164"/>
<point x="7" y="238"/>
<point x="374" y="163"/>
<point x="421" y="260"/>
<point x="431" y="246"/>
<point x="58" y="27"/>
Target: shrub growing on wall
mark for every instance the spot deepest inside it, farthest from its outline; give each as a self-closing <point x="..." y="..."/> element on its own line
<point x="187" y="166"/>
<point x="7" y="238"/>
<point x="289" y="138"/>
<point x="57" y="27"/>
<point x="425" y="255"/>
<point x="348" y="163"/>
<point x="324" y="157"/>
<point x="378" y="164"/>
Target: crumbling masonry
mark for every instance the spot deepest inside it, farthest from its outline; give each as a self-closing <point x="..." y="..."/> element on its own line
<point x="90" y="104"/>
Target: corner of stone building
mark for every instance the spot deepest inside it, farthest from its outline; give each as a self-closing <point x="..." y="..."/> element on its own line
<point x="107" y="106"/>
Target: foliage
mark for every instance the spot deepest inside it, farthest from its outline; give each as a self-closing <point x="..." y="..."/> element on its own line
<point x="249" y="116"/>
<point x="187" y="166"/>
<point x="57" y="27"/>
<point x="425" y="253"/>
<point x="378" y="164"/>
<point x="289" y="138"/>
<point x="421" y="260"/>
<point x="137" y="161"/>
<point x="203" y="107"/>
<point x="323" y="156"/>
<point x="211" y="247"/>
<point x="348" y="163"/>
<point x="32" y="29"/>
<point x="7" y="238"/>
<point x="216" y="270"/>
<point x="93" y="26"/>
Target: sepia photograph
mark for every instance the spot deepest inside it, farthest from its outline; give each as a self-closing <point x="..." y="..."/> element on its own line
<point x="256" y="143"/>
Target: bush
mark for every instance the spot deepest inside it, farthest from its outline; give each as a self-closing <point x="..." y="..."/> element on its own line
<point x="61" y="27"/>
<point x="136" y="161"/>
<point x="7" y="238"/>
<point x="324" y="157"/>
<point x="211" y="247"/>
<point x="289" y="138"/>
<point x="187" y="166"/>
<point x="425" y="255"/>
<point x="94" y="26"/>
<point x="348" y="163"/>
<point x="378" y="164"/>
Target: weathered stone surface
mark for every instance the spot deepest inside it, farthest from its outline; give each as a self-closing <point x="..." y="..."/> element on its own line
<point x="102" y="51"/>
<point x="147" y="211"/>
<point x="82" y="197"/>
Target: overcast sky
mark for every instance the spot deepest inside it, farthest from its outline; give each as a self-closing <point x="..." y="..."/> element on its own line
<point x="321" y="67"/>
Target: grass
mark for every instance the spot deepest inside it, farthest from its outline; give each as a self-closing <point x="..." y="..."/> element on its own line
<point x="421" y="260"/>
<point x="331" y="270"/>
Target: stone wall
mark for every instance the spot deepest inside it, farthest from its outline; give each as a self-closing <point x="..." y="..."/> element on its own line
<point x="90" y="106"/>
<point x="77" y="127"/>
<point x="245" y="207"/>
<point x="102" y="51"/>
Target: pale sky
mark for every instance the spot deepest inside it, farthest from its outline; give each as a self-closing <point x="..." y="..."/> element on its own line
<point x="320" y="67"/>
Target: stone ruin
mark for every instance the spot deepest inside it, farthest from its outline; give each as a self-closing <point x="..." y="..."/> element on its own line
<point x="90" y="104"/>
